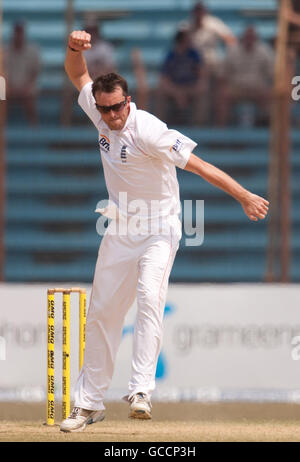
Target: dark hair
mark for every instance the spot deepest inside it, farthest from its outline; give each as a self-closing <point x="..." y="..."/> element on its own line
<point x="181" y="35"/>
<point x="199" y="6"/>
<point x="107" y="83"/>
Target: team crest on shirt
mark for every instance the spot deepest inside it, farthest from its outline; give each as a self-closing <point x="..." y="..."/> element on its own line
<point x="104" y="143"/>
<point x="123" y="154"/>
<point x="176" y="147"/>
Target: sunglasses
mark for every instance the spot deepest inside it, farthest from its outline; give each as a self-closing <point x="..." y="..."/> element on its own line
<point x="115" y="107"/>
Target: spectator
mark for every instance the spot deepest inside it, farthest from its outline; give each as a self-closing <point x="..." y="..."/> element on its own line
<point x="139" y="71"/>
<point x="100" y="58"/>
<point x="22" y="66"/>
<point x="248" y="72"/>
<point x="207" y="32"/>
<point x="182" y="81"/>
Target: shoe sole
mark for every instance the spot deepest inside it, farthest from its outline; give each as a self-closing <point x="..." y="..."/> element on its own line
<point x="95" y="420"/>
<point x="140" y="414"/>
<point x="75" y="430"/>
<point x="83" y="427"/>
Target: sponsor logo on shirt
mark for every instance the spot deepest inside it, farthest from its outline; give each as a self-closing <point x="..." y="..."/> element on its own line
<point x="176" y="147"/>
<point x="104" y="143"/>
<point x="124" y="154"/>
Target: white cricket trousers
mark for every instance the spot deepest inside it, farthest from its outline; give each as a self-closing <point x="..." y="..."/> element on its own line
<point x="127" y="267"/>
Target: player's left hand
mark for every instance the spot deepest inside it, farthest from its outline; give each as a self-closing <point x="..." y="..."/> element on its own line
<point x="255" y="207"/>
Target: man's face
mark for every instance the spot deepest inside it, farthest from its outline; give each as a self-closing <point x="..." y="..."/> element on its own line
<point x="114" y="118"/>
<point x="185" y="42"/>
<point x="198" y="15"/>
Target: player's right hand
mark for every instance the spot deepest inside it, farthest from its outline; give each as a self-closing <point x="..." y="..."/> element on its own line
<point x="80" y="40"/>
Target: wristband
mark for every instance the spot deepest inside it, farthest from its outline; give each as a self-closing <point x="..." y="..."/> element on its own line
<point x="73" y="49"/>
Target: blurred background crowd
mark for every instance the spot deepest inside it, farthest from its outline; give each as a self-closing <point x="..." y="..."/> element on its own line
<point x="207" y="68"/>
<point x="208" y="74"/>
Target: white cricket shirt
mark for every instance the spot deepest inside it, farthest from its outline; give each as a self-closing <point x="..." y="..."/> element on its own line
<point x="140" y="160"/>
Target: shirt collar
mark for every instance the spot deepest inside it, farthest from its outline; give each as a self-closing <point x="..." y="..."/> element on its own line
<point x="131" y="116"/>
<point x="130" y="119"/>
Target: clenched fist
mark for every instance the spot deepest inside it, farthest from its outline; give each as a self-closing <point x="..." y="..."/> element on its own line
<point x="80" y="40"/>
<point x="255" y="207"/>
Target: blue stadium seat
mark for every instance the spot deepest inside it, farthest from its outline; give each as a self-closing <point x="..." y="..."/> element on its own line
<point x="55" y="178"/>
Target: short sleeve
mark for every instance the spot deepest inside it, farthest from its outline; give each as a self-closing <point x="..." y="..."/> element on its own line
<point x="268" y="60"/>
<point x="166" y="64"/>
<point x="35" y="58"/>
<point x="86" y="101"/>
<point x="217" y="25"/>
<point x="166" y="144"/>
<point x="197" y="57"/>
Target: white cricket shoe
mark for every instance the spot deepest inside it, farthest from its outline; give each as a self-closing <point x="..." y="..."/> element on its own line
<point x="80" y="418"/>
<point x="140" y="407"/>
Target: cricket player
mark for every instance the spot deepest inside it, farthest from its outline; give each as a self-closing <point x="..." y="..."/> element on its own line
<point x="139" y="156"/>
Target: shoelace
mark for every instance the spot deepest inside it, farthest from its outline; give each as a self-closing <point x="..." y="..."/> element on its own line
<point x="140" y="397"/>
<point x="74" y="413"/>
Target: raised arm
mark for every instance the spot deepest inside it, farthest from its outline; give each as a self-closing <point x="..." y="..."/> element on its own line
<point x="254" y="206"/>
<point x="75" y="64"/>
